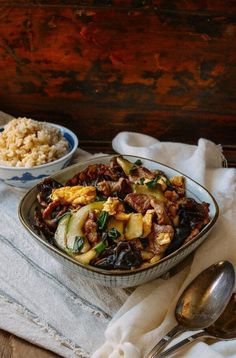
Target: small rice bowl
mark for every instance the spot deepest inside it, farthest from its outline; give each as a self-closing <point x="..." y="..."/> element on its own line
<point x="27" y="143"/>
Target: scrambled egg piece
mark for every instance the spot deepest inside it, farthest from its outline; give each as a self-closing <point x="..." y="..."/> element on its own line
<point x="74" y="195"/>
<point x="147" y="222"/>
<point x="179" y="183"/>
<point x="164" y="238"/>
<point x="177" y="180"/>
<point x="162" y="182"/>
<point x="122" y="216"/>
<point x="113" y="206"/>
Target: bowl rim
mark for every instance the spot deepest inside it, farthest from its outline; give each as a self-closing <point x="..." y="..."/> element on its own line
<point x="67" y="155"/>
<point x="118" y="273"/>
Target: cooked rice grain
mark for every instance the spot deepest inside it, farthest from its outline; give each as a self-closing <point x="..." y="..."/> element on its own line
<point x="28" y="143"/>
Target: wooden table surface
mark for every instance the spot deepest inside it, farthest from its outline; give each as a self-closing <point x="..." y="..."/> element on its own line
<point x="14" y="347"/>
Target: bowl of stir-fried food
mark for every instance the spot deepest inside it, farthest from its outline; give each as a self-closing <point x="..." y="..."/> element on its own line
<point x="119" y="220"/>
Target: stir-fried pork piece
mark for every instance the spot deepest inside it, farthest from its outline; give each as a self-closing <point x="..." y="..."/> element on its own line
<point x="162" y="237"/>
<point x="193" y="233"/>
<point x="94" y="173"/>
<point x="171" y="195"/>
<point x="139" y="202"/>
<point x="115" y="166"/>
<point x="53" y="213"/>
<point x="142" y="202"/>
<point x="90" y="227"/>
<point x="51" y="206"/>
<point x="104" y="187"/>
<point x="140" y="173"/>
<point x="107" y="187"/>
<point x="159" y="207"/>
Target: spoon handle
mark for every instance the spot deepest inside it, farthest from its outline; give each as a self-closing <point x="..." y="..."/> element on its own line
<point x="165" y="340"/>
<point x="182" y="343"/>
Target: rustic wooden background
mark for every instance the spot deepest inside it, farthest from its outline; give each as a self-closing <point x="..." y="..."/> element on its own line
<point x="165" y="68"/>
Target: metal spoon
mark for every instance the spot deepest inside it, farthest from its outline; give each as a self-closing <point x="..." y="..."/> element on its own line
<point x="201" y="303"/>
<point x="224" y="328"/>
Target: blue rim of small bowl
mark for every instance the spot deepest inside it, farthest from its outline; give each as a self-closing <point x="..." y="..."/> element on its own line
<point x="116" y="273"/>
<point x="70" y="137"/>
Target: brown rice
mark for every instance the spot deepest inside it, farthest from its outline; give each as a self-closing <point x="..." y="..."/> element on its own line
<point x="28" y="143"/>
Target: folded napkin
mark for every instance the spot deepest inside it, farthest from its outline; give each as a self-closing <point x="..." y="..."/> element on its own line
<point x="148" y="314"/>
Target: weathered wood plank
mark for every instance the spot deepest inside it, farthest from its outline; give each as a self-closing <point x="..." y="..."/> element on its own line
<point x="225" y="6"/>
<point x="100" y="123"/>
<point x="177" y="60"/>
<point x="146" y="66"/>
<point x="5" y="344"/>
<point x="14" y="347"/>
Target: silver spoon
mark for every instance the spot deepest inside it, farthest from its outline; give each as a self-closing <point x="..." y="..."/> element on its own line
<point x="201" y="303"/>
<point x="224" y="328"/>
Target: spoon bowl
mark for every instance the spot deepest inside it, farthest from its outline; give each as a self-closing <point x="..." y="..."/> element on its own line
<point x="202" y="302"/>
<point x="206" y="297"/>
<point x="224" y="328"/>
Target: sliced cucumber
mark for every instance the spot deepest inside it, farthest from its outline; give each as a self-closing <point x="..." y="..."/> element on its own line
<point x="125" y="164"/>
<point x="134" y="227"/>
<point x="117" y="224"/>
<point x="76" y="223"/>
<point x="60" y="234"/>
<point x="143" y="189"/>
<point x="88" y="256"/>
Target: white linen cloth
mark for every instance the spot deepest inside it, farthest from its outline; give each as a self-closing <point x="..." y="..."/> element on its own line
<point x="41" y="300"/>
<point x="148" y="314"/>
<point x="49" y="305"/>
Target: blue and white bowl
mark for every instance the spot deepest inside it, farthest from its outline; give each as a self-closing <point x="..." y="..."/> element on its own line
<point x="25" y="178"/>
